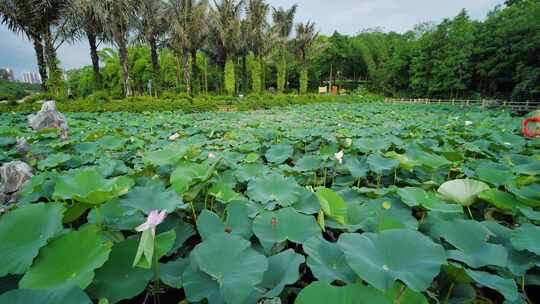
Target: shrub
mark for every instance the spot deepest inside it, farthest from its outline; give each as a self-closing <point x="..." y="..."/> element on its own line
<point x="230" y="81"/>
<point x="139" y="104"/>
<point x="40" y="96"/>
<point x="98" y="97"/>
<point x="7" y="97"/>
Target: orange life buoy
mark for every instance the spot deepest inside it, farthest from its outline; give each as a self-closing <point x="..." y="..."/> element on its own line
<point x="526" y="131"/>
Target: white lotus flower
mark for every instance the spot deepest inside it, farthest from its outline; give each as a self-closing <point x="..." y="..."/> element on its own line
<point x="174" y="137"/>
<point x="468" y="123"/>
<point x="212" y="155"/>
<point x="339" y="156"/>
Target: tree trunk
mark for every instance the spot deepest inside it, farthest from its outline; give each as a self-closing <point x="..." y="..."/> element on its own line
<point x="92" y="42"/>
<point x="154" y="55"/>
<point x="185" y="62"/>
<point x="194" y="68"/>
<point x="245" y="80"/>
<point x="177" y="70"/>
<point x="42" y="66"/>
<point x="263" y="73"/>
<point x="123" y="52"/>
<point x="50" y="52"/>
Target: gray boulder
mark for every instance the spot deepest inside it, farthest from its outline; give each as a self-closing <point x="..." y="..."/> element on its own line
<point x="13" y="177"/>
<point x="49" y="117"/>
<point x="22" y="145"/>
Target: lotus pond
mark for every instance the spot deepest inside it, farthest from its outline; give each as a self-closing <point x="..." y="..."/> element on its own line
<point x="333" y="203"/>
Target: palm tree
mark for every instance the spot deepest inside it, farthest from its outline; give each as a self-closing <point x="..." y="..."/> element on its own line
<point x="257" y="26"/>
<point x="283" y="25"/>
<point x="226" y="28"/>
<point x="198" y="34"/>
<point x="180" y="17"/>
<point x="304" y="46"/>
<point x="150" y="22"/>
<point x="84" y="20"/>
<point x="117" y="15"/>
<point x="257" y="39"/>
<point x="19" y="16"/>
<point x="51" y="15"/>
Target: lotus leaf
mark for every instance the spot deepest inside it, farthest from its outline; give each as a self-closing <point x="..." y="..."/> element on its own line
<point x="46" y="296"/>
<point x="88" y="186"/>
<point x="237" y="223"/>
<point x="322" y="293"/>
<point x="24" y="231"/>
<point x="272" y="227"/>
<point x="283" y="269"/>
<point x="277" y="154"/>
<point x="117" y="279"/>
<point x="274" y="189"/>
<point x="333" y="205"/>
<point x="527" y="237"/>
<point x="462" y="191"/>
<point x="68" y="259"/>
<point x="400" y="254"/>
<point x="152" y="197"/>
<point x="231" y="263"/>
<point x="327" y="262"/>
<point x="507" y="287"/>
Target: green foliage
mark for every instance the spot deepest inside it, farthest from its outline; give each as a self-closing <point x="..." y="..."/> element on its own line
<point x="17" y="90"/>
<point x="303" y="81"/>
<point x="230" y="81"/>
<point x="255" y="71"/>
<point x="281" y="74"/>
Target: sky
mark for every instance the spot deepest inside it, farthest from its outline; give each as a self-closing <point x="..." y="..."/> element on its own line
<point x="345" y="16"/>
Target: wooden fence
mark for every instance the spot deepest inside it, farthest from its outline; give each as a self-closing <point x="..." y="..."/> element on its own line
<point x="513" y="105"/>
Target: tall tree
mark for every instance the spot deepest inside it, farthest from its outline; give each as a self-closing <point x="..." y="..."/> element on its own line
<point x="225" y="32"/>
<point x="150" y="22"/>
<point x="117" y="15"/>
<point x="51" y="14"/>
<point x="306" y="35"/>
<point x="188" y="20"/>
<point x="84" y="21"/>
<point x="198" y="36"/>
<point x="20" y="17"/>
<point x="257" y="40"/>
<point x="225" y="29"/>
<point x="283" y="26"/>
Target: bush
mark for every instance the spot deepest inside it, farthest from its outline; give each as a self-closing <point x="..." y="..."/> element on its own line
<point x="7" y="97"/>
<point x="98" y="97"/>
<point x="139" y="104"/>
<point x="40" y="96"/>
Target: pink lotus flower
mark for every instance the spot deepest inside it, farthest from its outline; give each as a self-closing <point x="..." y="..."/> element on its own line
<point x="339" y="156"/>
<point x="154" y="218"/>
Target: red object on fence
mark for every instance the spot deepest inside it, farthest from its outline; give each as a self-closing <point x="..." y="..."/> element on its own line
<point x="526" y="131"/>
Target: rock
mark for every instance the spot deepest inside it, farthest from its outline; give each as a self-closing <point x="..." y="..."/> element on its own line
<point x="22" y="145"/>
<point x="13" y="176"/>
<point x="49" y="117"/>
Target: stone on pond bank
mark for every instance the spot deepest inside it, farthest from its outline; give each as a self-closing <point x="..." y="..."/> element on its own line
<point x="49" y="117"/>
<point x="13" y="176"/>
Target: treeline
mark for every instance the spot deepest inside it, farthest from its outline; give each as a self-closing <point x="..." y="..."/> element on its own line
<point x="499" y="57"/>
<point x="242" y="47"/>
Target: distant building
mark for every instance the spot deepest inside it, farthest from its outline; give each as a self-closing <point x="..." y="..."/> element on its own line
<point x="10" y="75"/>
<point x="7" y="73"/>
<point x="31" y="77"/>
